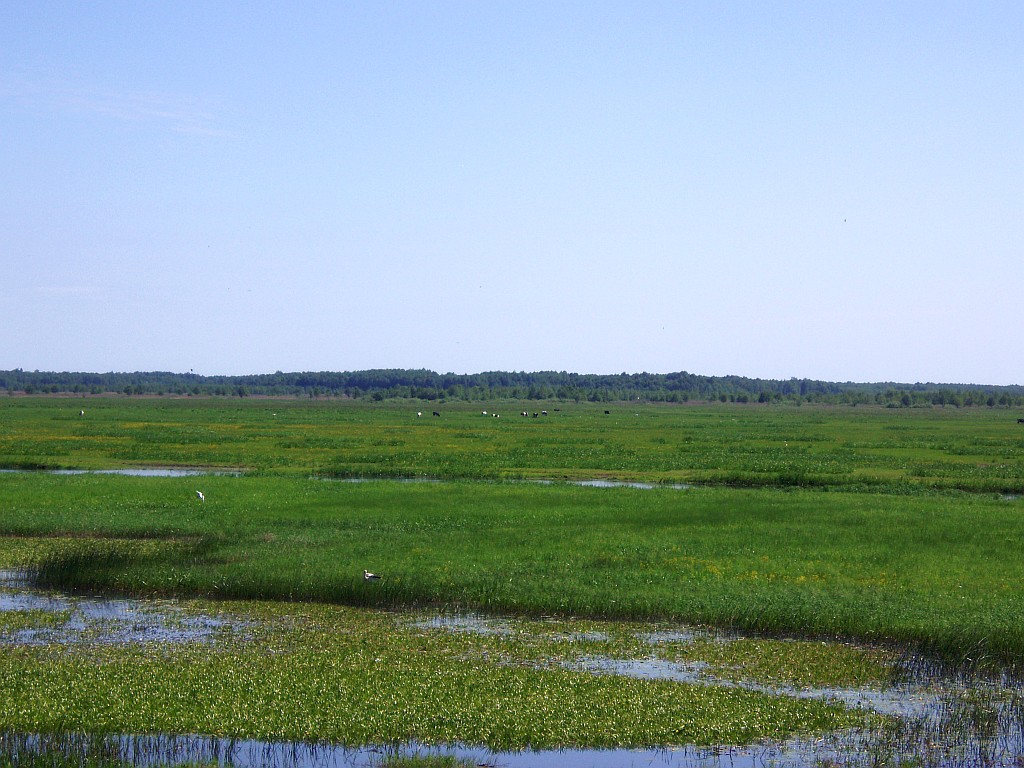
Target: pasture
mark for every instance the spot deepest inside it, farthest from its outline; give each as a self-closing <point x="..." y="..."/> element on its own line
<point x="899" y="528"/>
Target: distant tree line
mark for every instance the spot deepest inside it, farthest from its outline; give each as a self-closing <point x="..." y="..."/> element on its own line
<point x="384" y="384"/>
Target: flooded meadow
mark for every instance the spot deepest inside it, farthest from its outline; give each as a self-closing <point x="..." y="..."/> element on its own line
<point x="185" y="586"/>
<point x="926" y="714"/>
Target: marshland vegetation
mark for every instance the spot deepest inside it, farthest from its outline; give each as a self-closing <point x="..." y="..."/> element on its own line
<point x="894" y="528"/>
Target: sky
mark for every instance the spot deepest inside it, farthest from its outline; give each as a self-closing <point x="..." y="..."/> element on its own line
<point x="823" y="190"/>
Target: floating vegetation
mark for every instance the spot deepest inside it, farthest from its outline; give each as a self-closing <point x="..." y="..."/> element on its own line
<point x="277" y="653"/>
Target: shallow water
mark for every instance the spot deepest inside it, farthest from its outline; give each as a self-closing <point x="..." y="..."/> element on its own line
<point x="197" y="472"/>
<point x="162" y="750"/>
<point x="624" y="484"/>
<point x="134" y="472"/>
<point x="180" y="750"/>
<point x="938" y="719"/>
<point x="597" y="483"/>
<point x="903" y="701"/>
<point x="102" y="620"/>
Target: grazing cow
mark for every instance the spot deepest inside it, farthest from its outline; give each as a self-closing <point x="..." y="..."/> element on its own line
<point x="483" y="413"/>
<point x="436" y="413"/>
<point x="1019" y="421"/>
<point x="543" y="413"/>
<point x="607" y="412"/>
<point x="81" y="413"/>
<point x="524" y="413"/>
<point x="418" y="414"/>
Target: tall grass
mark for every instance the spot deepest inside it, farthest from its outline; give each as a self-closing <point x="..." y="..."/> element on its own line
<point x="939" y="571"/>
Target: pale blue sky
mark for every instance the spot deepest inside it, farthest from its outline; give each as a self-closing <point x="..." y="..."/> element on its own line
<point x="824" y="190"/>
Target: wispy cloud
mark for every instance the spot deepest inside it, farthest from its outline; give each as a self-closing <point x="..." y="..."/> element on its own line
<point x="178" y="114"/>
<point x="67" y="291"/>
<point x="174" y="112"/>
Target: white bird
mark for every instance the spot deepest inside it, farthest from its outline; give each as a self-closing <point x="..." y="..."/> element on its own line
<point x="367" y="576"/>
<point x="200" y="495"/>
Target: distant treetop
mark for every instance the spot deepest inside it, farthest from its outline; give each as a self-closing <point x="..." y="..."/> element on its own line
<point x="420" y="384"/>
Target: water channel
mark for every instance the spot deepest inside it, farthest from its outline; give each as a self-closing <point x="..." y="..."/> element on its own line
<point x="133" y="472"/>
<point x="196" y="472"/>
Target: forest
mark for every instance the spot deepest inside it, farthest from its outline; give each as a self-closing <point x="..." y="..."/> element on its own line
<point x="421" y="384"/>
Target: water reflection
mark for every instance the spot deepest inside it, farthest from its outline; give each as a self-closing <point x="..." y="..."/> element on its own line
<point x="134" y="472"/>
<point x="625" y="484"/>
<point x="937" y="719"/>
<point x="902" y="701"/>
<point x="78" y="620"/>
<point x="600" y="483"/>
<point x="72" y="749"/>
<point x="198" y="472"/>
<point x="857" y="749"/>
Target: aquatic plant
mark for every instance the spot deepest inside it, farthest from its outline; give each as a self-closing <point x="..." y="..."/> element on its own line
<point x="357" y="677"/>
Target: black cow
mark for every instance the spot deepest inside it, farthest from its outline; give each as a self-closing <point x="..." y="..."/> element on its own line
<point x="436" y="413"/>
<point x="1020" y="421"/>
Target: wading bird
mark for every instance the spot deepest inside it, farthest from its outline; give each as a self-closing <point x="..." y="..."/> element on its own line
<point x="367" y="576"/>
<point x="200" y="495"/>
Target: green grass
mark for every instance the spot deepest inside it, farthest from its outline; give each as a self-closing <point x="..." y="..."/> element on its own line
<point x="973" y="449"/>
<point x="14" y="621"/>
<point x="940" y="572"/>
<point x="896" y="527"/>
<point x="427" y="761"/>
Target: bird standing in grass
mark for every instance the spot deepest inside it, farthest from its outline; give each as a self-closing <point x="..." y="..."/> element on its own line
<point x="199" y="494"/>
<point x="367" y="576"/>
